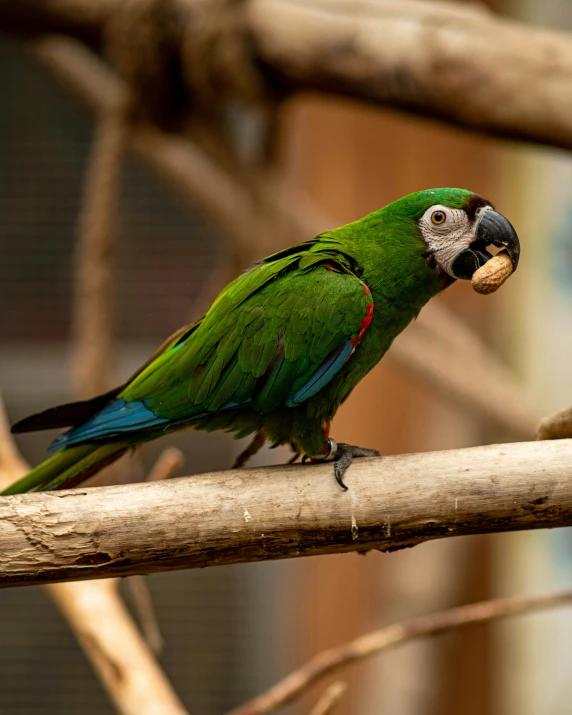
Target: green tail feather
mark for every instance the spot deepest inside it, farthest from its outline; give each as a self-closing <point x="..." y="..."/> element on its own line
<point x="68" y="468"/>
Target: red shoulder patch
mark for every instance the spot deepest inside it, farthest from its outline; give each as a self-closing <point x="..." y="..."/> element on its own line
<point x="366" y="320"/>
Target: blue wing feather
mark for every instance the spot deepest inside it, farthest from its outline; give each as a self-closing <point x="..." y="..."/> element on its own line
<point x="323" y="375"/>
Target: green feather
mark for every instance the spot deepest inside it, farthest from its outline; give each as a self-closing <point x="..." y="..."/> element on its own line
<point x="270" y="330"/>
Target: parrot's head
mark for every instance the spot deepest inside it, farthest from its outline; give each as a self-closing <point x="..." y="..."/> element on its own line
<point x="457" y="227"/>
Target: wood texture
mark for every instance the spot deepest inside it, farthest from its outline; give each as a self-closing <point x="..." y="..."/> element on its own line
<point x="281" y="512"/>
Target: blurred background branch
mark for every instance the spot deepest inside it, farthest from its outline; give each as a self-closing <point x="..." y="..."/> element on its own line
<point x="94" y="611"/>
<point x="338" y="658"/>
<point x="329" y="698"/>
<point x="461" y="64"/>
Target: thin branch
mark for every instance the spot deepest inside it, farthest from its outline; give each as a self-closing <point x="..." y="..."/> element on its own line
<point x="446" y="354"/>
<point x="143" y="604"/>
<point x="336" y="659"/>
<point x="93" y="301"/>
<point x="253" y="448"/>
<point x="134" y="681"/>
<point x="169" y="462"/>
<point x="329" y="698"/>
<point x="274" y="218"/>
<point x="279" y="512"/>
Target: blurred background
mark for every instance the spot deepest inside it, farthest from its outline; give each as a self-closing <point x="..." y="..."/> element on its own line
<point x="231" y="632"/>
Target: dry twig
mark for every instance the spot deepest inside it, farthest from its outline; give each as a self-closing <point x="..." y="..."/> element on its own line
<point x="143" y="604"/>
<point x="93" y="312"/>
<point x="330" y="698"/>
<point x="255" y="446"/>
<point x="170" y="460"/>
<point x="336" y="659"/>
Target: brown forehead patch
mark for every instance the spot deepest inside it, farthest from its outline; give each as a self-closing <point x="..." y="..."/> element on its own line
<point x="476" y="202"/>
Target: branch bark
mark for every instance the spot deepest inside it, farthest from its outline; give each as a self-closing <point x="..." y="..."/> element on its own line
<point x="462" y="65"/>
<point x="272" y="513"/>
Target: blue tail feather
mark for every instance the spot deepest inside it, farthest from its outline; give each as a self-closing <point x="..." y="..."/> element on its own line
<point x="117" y="418"/>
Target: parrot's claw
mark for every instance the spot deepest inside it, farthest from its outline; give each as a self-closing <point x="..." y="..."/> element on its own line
<point x="342" y="455"/>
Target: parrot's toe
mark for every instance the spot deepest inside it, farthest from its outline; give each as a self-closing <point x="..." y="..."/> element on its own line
<point x="345" y="455"/>
<point x="342" y="455"/>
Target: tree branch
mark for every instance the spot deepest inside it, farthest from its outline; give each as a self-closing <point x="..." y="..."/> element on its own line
<point x="462" y="65"/>
<point x="272" y="513"/>
<point x="336" y="659"/>
<point x="94" y="255"/>
<point x="98" y="618"/>
<point x="329" y="698"/>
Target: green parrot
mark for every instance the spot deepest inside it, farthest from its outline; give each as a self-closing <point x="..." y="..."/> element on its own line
<point x="284" y="344"/>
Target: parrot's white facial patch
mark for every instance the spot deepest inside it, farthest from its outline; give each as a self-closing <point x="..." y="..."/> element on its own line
<point x="446" y="232"/>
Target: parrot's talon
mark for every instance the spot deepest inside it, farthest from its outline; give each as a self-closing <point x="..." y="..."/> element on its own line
<point x="344" y="456"/>
<point x="294" y="458"/>
<point x="339" y="472"/>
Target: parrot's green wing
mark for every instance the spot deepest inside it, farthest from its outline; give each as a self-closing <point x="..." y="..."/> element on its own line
<point x="275" y="336"/>
<point x="278" y="338"/>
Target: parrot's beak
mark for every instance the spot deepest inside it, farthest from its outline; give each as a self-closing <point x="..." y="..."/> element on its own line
<point x="492" y="229"/>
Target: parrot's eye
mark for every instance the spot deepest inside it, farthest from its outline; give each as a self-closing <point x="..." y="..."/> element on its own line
<point x="438" y="217"/>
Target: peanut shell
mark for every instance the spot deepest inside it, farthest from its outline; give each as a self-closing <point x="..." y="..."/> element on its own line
<point x="489" y="278"/>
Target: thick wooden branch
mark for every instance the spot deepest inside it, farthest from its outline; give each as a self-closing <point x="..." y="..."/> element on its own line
<point x="272" y="513"/>
<point x="463" y="65"/>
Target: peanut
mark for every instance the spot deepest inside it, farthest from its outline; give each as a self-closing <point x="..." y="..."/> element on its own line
<point x="489" y="278"/>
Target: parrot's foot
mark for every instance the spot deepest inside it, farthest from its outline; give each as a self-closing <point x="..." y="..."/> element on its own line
<point x="343" y="455"/>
